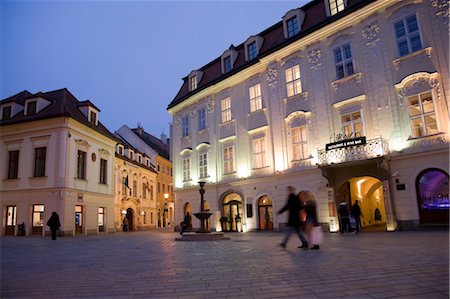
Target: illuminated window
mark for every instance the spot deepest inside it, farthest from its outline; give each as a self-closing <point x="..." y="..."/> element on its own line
<point x="336" y="6"/>
<point x="101" y="219"/>
<point x="293" y="83"/>
<point x="203" y="165"/>
<point x="186" y="169"/>
<point x="38" y="215"/>
<point x="299" y="143"/>
<point x="228" y="164"/>
<point x="343" y="61"/>
<point x="225" y="106"/>
<point x="407" y="35"/>
<point x="193" y="83"/>
<point x="352" y="124"/>
<point x="259" y="152"/>
<point x="255" y="97"/>
<point x="422" y="116"/>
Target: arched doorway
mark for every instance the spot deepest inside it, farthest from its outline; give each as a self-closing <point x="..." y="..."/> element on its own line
<point x="368" y="191"/>
<point x="130" y="217"/>
<point x="265" y="213"/>
<point x="432" y="197"/>
<point x="233" y="211"/>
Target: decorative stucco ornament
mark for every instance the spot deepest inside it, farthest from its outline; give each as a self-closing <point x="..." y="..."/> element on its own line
<point x="210" y="104"/>
<point x="370" y="34"/>
<point x="442" y="7"/>
<point x="272" y="76"/>
<point x="314" y="59"/>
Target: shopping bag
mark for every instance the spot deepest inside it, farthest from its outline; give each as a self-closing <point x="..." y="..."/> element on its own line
<point x="316" y="235"/>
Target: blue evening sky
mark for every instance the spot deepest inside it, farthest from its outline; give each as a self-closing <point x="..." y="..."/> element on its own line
<point x="127" y="57"/>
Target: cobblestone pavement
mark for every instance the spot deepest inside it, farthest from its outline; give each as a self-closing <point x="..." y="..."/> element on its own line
<point x="151" y="264"/>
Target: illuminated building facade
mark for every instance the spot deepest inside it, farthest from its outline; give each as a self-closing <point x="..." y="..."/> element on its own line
<point x="344" y="98"/>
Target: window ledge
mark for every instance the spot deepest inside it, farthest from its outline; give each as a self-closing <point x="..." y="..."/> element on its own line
<point x="260" y="168"/>
<point x="424" y="51"/>
<point x="425" y="136"/>
<point x="297" y="96"/>
<point x="337" y="83"/>
<point x="38" y="177"/>
<point x="227" y="123"/>
<point x="103" y="184"/>
<point x="202" y="131"/>
<point x="78" y="179"/>
<point x="11" y="180"/>
<point x="257" y="111"/>
<point x="229" y="173"/>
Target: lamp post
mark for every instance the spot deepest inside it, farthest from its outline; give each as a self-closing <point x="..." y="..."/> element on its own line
<point x="165" y="210"/>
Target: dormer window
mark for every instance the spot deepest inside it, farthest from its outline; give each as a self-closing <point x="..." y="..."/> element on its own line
<point x="6" y="112"/>
<point x="292" y="22"/>
<point x="193" y="82"/>
<point x="31" y="108"/>
<point x="227" y="66"/>
<point x="140" y="158"/>
<point x="93" y="117"/>
<point x="335" y="6"/>
<point x="292" y="26"/>
<point x="120" y="150"/>
<point x="251" y="50"/>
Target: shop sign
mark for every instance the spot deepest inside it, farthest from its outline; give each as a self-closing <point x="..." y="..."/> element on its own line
<point x="346" y="143"/>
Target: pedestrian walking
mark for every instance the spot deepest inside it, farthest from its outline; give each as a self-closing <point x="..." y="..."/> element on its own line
<point x="125" y="224"/>
<point x="54" y="224"/>
<point x="293" y="205"/>
<point x="356" y="213"/>
<point x="344" y="218"/>
<point x="312" y="228"/>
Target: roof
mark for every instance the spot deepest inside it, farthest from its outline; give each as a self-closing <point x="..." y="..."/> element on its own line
<point x="315" y="18"/>
<point x="62" y="104"/>
<point x="160" y="147"/>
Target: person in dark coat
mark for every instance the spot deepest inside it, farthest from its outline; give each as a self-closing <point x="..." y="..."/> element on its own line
<point x="356" y="213"/>
<point x="54" y="224"/>
<point x="344" y="219"/>
<point x="309" y="204"/>
<point x="293" y="205"/>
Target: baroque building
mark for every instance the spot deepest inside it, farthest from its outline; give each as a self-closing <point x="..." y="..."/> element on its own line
<point x="343" y="98"/>
<point x="158" y="151"/>
<point x="56" y="156"/>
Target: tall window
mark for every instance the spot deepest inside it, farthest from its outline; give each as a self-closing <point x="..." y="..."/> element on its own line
<point x="6" y="112"/>
<point x="13" y="164"/>
<point x="203" y="165"/>
<point x="39" y="161"/>
<point x="125" y="186"/>
<point x="227" y="64"/>
<point x="228" y="166"/>
<point x="422" y="116"/>
<point x="292" y="26"/>
<point x="202" y="119"/>
<point x="407" y="35"/>
<point x="255" y="97"/>
<point x="31" y="108"/>
<point x="103" y="171"/>
<point x="252" y="51"/>
<point x="299" y="143"/>
<point x="101" y="219"/>
<point x="93" y="119"/>
<point x="225" y="106"/>
<point x="352" y="124"/>
<point x="134" y="188"/>
<point x="336" y="6"/>
<point x="38" y="215"/>
<point x="186" y="169"/>
<point x="185" y="125"/>
<point x="193" y="83"/>
<point x="259" y="152"/>
<point x="343" y="61"/>
<point x="81" y="165"/>
<point x="151" y="192"/>
<point x="293" y="83"/>
<point x="144" y="190"/>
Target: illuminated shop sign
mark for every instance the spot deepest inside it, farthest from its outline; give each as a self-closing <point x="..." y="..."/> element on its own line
<point x="345" y="143"/>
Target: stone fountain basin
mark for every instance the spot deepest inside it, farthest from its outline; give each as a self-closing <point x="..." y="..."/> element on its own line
<point x="202" y="215"/>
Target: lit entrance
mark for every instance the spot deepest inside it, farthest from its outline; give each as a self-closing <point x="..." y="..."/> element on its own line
<point x="130" y="217"/>
<point x="265" y="213"/>
<point x="233" y="211"/>
<point x="368" y="191"/>
<point x="432" y="197"/>
<point x="11" y="214"/>
<point x="78" y="219"/>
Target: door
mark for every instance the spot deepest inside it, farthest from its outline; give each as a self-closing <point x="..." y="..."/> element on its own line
<point x="78" y="219"/>
<point x="11" y="214"/>
<point x="265" y="213"/>
<point x="130" y="218"/>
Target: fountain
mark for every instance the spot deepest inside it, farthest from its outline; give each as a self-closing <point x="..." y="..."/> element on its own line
<point x="204" y="233"/>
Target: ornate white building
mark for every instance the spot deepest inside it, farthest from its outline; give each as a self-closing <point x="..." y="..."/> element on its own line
<point x="344" y="98"/>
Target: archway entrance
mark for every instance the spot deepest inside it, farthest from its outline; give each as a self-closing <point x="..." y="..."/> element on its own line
<point x="432" y="197"/>
<point x="233" y="211"/>
<point x="130" y="217"/>
<point x="265" y="213"/>
<point x="368" y="191"/>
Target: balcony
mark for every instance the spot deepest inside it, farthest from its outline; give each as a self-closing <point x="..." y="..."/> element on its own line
<point x="373" y="148"/>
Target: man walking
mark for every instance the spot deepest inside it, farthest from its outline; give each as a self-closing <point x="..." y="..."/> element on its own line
<point x="356" y="213"/>
<point x="293" y="205"/>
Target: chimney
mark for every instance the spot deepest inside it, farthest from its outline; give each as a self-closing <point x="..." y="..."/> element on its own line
<point x="163" y="138"/>
<point x="140" y="128"/>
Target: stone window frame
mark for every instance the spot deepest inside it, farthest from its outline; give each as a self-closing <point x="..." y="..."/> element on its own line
<point x="293" y="13"/>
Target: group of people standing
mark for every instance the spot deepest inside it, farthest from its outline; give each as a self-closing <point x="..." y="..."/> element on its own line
<point x="302" y="218"/>
<point x="346" y="218"/>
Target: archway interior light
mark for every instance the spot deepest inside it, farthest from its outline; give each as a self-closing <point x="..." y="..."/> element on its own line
<point x="124" y="212"/>
<point x="358" y="185"/>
